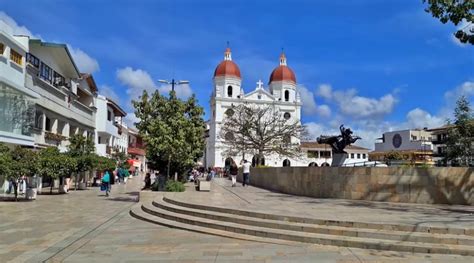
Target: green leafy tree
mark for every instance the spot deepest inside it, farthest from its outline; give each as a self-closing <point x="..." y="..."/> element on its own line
<point x="82" y="150"/>
<point x="460" y="138"/>
<point x="48" y="164"/>
<point x="455" y="11"/>
<point x="24" y="163"/>
<point x="172" y="129"/>
<point x="5" y="161"/>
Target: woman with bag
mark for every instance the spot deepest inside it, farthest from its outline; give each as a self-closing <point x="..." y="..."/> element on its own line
<point x="106" y="183"/>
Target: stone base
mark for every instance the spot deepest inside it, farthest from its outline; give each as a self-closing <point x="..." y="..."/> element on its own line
<point x="338" y="159"/>
<point x="204" y="185"/>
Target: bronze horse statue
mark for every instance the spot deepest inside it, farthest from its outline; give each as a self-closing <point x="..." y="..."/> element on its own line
<point x="338" y="143"/>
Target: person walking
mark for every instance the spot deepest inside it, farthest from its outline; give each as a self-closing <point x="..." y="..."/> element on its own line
<point x="147" y="181"/>
<point x="106" y="183"/>
<point x="233" y="170"/>
<point x="246" y="173"/>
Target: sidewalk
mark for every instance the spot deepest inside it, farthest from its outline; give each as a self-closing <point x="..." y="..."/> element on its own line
<point x="39" y="229"/>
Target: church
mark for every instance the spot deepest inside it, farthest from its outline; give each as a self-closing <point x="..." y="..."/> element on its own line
<point x="281" y="92"/>
<point x="228" y="93"/>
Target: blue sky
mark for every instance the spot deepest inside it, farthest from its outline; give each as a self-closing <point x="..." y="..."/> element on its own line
<point x="374" y="65"/>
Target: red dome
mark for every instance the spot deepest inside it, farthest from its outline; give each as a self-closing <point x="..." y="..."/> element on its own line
<point x="227" y="68"/>
<point x="282" y="73"/>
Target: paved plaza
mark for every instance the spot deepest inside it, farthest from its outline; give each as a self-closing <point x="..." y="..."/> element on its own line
<point x="85" y="226"/>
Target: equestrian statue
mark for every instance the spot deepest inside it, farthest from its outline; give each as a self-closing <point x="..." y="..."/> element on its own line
<point x="338" y="143"/>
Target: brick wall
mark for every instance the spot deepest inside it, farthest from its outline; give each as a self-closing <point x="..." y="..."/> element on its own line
<point x="446" y="185"/>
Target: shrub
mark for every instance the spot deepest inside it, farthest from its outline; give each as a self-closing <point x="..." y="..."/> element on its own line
<point x="174" y="186"/>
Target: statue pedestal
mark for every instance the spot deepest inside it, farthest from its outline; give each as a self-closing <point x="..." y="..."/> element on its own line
<point x="338" y="159"/>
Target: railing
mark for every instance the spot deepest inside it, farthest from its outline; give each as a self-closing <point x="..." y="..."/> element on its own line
<point x="365" y="164"/>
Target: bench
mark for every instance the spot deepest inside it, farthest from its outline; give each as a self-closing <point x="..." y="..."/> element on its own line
<point x="203" y="185"/>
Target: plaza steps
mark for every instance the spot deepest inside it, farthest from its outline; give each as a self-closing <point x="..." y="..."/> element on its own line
<point x="265" y="227"/>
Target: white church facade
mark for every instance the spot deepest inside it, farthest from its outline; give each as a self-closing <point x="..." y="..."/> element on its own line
<point x="228" y="93"/>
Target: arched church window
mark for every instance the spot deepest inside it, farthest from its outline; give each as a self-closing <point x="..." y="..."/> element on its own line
<point x="286" y="163"/>
<point x="229" y="91"/>
<point x="287" y="115"/>
<point x="229" y="112"/>
<point x="229" y="136"/>
<point x="287" y="95"/>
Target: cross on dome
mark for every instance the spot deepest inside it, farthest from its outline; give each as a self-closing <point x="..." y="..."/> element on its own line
<point x="259" y="84"/>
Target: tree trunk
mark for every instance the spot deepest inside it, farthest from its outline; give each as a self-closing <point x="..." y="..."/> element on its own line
<point x="169" y="165"/>
<point x="51" y="186"/>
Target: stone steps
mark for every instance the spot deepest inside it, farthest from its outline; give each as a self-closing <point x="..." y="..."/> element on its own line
<point x="138" y="213"/>
<point x="170" y="214"/>
<point x="295" y="219"/>
<point x="321" y="229"/>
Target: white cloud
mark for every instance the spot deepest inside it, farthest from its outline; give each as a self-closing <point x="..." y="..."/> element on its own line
<point x="109" y="93"/>
<point x="418" y="118"/>
<point x="138" y="80"/>
<point x="309" y="104"/>
<point x="84" y="62"/>
<point x="325" y="91"/>
<point x="465" y="89"/>
<point x="131" y="119"/>
<point x="364" y="107"/>
<point x="17" y="29"/>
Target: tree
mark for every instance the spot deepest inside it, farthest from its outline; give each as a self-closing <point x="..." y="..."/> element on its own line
<point x="172" y="129"/>
<point x="261" y="130"/>
<point x="460" y="137"/>
<point x="24" y="163"/>
<point x="82" y="150"/>
<point x="455" y="11"/>
<point x="48" y="164"/>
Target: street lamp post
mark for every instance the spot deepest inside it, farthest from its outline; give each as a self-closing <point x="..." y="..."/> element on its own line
<point x="173" y="83"/>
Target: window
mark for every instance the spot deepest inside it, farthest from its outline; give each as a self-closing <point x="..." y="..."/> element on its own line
<point x="352" y="156"/>
<point x="259" y="97"/>
<point x="287" y="95"/>
<point x="39" y="120"/>
<point x="325" y="154"/>
<point x="46" y="73"/>
<point x="2" y="48"/>
<point x="229" y="136"/>
<point x="99" y="140"/>
<point x="414" y="138"/>
<point x="358" y="156"/>
<point x="313" y="154"/>
<point x="58" y="79"/>
<point x="286" y="163"/>
<point x="72" y="130"/>
<point x="229" y="91"/>
<point x="16" y="57"/>
<point x="287" y="115"/>
<point x="32" y="60"/>
<point x="48" y="124"/>
<point x="109" y="115"/>
<point x="229" y="112"/>
<point x="364" y="156"/>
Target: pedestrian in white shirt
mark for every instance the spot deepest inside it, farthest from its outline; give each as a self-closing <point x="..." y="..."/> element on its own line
<point x="246" y="172"/>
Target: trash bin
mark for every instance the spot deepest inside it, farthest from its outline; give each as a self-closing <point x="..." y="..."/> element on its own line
<point x="162" y="182"/>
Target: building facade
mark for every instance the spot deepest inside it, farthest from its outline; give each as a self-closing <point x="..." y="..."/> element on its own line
<point x="137" y="151"/>
<point x="16" y="101"/>
<point x="414" y="146"/>
<point x="108" y="126"/>
<point x="229" y="93"/>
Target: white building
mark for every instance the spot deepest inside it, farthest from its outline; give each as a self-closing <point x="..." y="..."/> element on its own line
<point x="228" y="93"/>
<point x="415" y="145"/>
<point x="16" y="102"/>
<point x="108" y="133"/>
<point x="315" y="154"/>
<point x="66" y="97"/>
